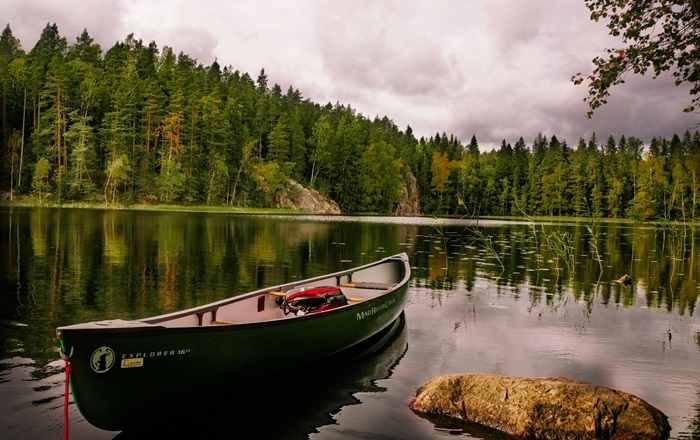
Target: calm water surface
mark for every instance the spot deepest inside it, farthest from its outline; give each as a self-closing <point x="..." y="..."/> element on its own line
<point x="489" y="298"/>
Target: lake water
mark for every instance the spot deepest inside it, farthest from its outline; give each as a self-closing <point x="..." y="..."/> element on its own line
<point x="511" y="298"/>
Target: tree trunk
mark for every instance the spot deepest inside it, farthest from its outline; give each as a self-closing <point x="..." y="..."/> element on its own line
<point x="12" y="172"/>
<point x="147" y="145"/>
<point x="695" y="192"/>
<point x="192" y="133"/>
<point x="211" y="182"/>
<point x="133" y="152"/>
<point x="683" y="206"/>
<point x="59" y="150"/>
<point x="21" y="151"/>
<point x="235" y="184"/>
<point x="109" y="176"/>
<point x="5" y="136"/>
<point x="147" y="149"/>
<point x="37" y="113"/>
<point x="313" y="167"/>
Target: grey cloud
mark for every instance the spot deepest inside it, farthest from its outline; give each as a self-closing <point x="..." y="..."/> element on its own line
<point x="199" y="44"/>
<point x="103" y="19"/>
<point x="643" y="107"/>
<point x="363" y="46"/>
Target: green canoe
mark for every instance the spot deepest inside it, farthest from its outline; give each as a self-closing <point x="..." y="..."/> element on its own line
<point x="121" y="369"/>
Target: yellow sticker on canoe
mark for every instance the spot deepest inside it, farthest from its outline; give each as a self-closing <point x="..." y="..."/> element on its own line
<point x="132" y="363"/>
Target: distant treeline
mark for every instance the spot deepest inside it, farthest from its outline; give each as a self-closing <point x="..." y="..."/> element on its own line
<point x="136" y="123"/>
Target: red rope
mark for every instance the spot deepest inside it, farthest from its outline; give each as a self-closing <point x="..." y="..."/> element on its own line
<point x="65" y="401"/>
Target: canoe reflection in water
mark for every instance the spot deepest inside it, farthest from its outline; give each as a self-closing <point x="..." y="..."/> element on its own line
<point x="289" y="405"/>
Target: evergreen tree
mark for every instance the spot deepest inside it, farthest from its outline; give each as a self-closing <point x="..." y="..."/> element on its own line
<point x="473" y="147"/>
<point x="380" y="177"/>
<point x="9" y="48"/>
<point x="85" y="49"/>
<point x="297" y="146"/>
<point x="279" y="147"/>
<point x="80" y="138"/>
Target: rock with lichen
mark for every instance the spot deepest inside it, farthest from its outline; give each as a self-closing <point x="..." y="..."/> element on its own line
<point x="409" y="199"/>
<point x="297" y="196"/>
<point x="547" y="408"/>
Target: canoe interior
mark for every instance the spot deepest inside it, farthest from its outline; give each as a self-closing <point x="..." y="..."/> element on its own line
<point x="358" y="285"/>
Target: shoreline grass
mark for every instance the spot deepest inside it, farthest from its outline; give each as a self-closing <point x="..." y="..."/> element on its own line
<point x="26" y="202"/>
<point x="31" y="202"/>
<point x="588" y="220"/>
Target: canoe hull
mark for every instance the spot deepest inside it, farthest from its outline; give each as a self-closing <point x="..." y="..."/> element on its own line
<point x="118" y="374"/>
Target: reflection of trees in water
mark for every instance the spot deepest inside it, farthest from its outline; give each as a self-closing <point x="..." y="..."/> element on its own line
<point x="661" y="261"/>
<point x="114" y="245"/>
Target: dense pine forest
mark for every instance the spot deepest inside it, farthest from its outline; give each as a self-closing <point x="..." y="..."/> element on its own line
<point x="137" y="123"/>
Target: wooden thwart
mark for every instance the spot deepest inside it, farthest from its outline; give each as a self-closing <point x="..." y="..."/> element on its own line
<point x="367" y="285"/>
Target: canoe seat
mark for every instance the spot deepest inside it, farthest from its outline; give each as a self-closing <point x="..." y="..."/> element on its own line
<point x="220" y="322"/>
<point x="277" y="293"/>
<point x="367" y="285"/>
<point x="356" y="299"/>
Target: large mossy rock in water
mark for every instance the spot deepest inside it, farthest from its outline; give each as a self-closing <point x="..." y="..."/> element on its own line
<point x="548" y="409"/>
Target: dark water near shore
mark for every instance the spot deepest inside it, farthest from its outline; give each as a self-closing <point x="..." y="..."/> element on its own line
<point x="495" y="298"/>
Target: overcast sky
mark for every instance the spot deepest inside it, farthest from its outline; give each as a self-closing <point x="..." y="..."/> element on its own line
<point x="497" y="68"/>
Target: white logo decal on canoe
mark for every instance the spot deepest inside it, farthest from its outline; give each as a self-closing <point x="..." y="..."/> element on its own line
<point x="374" y="310"/>
<point x="102" y="359"/>
<point x="157" y="353"/>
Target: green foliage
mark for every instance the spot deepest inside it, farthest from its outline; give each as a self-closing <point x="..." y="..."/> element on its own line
<point x="380" y="182"/>
<point x="118" y="173"/>
<point x="297" y="146"/>
<point x="469" y="183"/>
<point x="656" y="35"/>
<point x="440" y="171"/>
<point x="343" y="177"/>
<point x="40" y="180"/>
<point x="170" y="181"/>
<point x="270" y="180"/>
<point x="218" y="176"/>
<point x="279" y="141"/>
<point x="320" y="143"/>
<point x="80" y="140"/>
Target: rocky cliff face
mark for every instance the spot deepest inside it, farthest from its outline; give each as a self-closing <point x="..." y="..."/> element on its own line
<point x="548" y="409"/>
<point x="297" y="196"/>
<point x="409" y="201"/>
